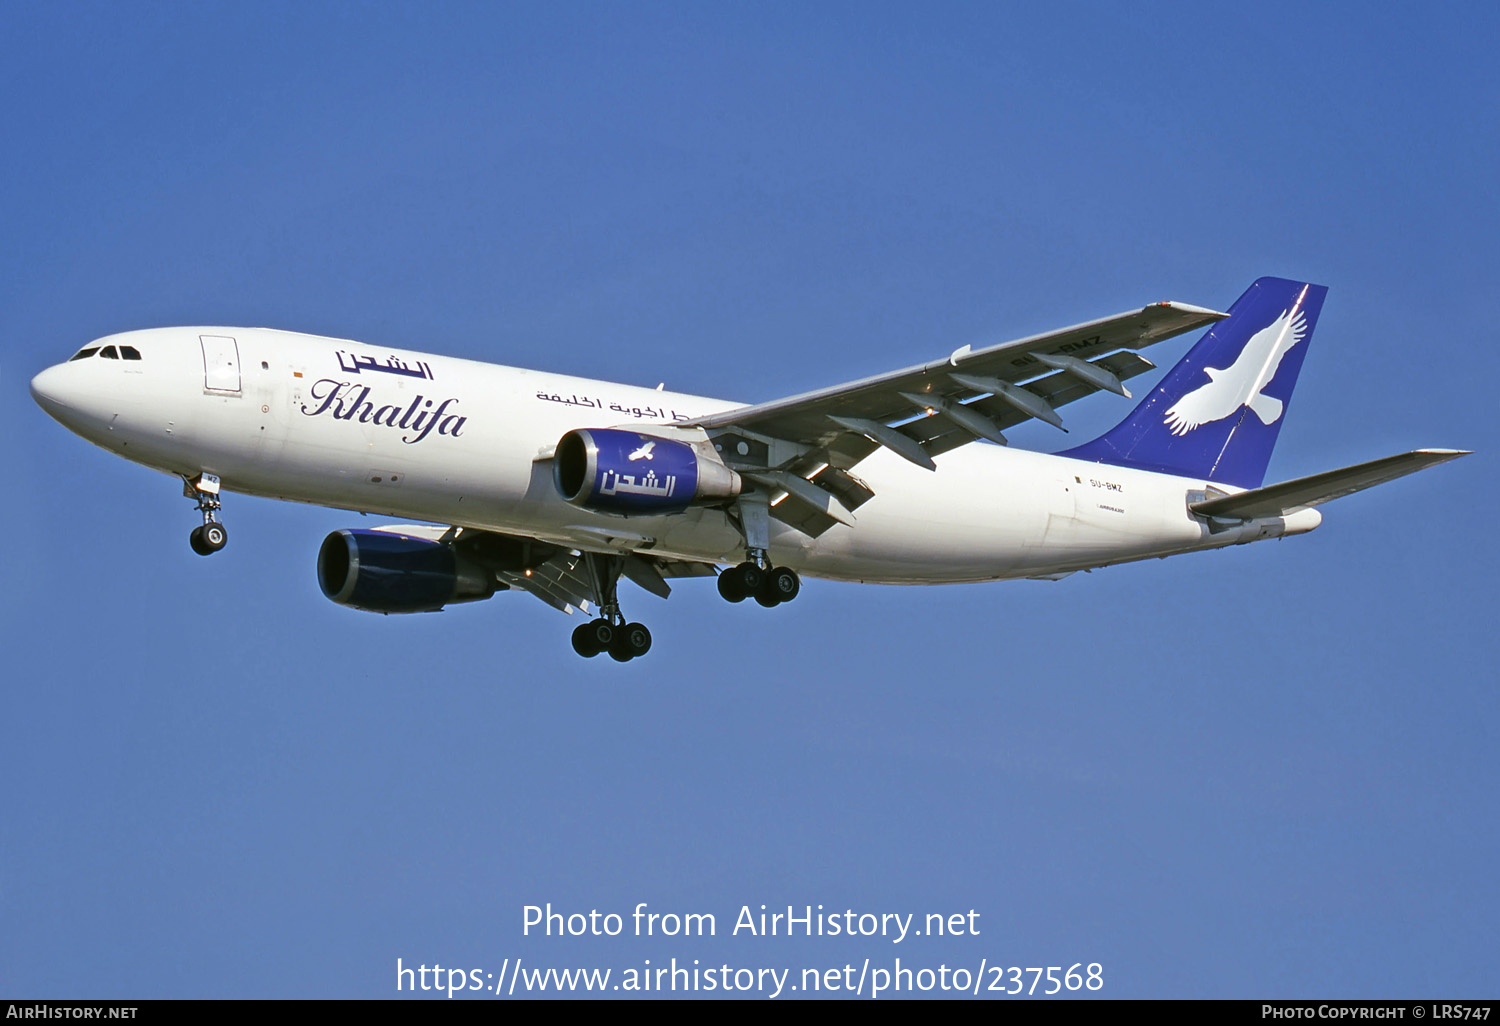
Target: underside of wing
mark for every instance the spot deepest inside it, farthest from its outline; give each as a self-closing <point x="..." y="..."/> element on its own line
<point x="563" y="578"/>
<point x="557" y="582"/>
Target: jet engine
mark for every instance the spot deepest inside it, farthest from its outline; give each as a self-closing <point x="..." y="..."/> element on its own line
<point x="614" y="471"/>
<point x="385" y="572"/>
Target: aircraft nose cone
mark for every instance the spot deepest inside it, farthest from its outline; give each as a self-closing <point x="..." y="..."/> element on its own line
<point x="50" y="389"/>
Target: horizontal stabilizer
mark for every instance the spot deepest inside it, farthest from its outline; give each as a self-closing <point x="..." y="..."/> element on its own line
<point x="1289" y="496"/>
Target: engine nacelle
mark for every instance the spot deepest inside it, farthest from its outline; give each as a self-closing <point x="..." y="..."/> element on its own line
<point x="615" y="471"/>
<point x="385" y="572"/>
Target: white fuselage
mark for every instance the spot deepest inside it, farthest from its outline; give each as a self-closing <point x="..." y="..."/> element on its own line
<point x="417" y="436"/>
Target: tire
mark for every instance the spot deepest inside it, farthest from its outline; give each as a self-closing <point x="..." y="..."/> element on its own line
<point x="631" y="641"/>
<point x="638" y="638"/>
<point x="751" y="577"/>
<point x="583" y="641"/>
<point x="601" y="634"/>
<point x="784" y="583"/>
<point x="196" y="541"/>
<point x="214" y="536"/>
<point x="730" y="587"/>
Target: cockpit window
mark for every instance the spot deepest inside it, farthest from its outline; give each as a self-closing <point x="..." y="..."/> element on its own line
<point x="83" y="354"/>
<point x="130" y="352"/>
<point x="109" y="353"/>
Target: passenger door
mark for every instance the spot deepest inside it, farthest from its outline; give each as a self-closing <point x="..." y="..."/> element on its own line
<point x="221" y="365"/>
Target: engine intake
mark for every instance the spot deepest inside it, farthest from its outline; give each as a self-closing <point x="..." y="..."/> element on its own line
<point x="614" y="471"/>
<point x="385" y="572"/>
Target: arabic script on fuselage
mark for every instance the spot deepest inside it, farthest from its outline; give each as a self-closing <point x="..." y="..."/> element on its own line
<point x="353" y="363"/>
<point x="639" y="412"/>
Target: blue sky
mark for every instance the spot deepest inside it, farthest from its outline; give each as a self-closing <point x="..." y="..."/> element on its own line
<point x="1265" y="771"/>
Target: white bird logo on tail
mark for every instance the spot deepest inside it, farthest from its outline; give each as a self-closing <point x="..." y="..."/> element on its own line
<point x="1240" y="383"/>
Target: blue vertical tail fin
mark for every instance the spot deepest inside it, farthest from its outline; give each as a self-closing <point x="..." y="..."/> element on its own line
<point x="1216" y="415"/>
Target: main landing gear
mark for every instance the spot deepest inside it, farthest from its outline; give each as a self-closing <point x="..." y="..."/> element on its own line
<point x="609" y="632"/>
<point x="769" y="585"/>
<point x="212" y="536"/>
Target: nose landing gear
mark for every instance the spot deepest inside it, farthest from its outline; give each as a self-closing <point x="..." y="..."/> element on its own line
<point x="212" y="536"/>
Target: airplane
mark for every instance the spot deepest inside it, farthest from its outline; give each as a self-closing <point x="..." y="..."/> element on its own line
<point x="560" y="486"/>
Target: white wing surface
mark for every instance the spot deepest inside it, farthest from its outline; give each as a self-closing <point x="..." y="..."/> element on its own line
<point x="805" y="446"/>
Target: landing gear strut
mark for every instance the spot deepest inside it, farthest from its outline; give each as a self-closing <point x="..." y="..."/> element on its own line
<point x="609" y="632"/>
<point x="211" y="537"/>
<point x="769" y="585"/>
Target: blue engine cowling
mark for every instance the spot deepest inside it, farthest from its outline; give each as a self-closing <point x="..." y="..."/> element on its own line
<point x="615" y="471"/>
<point x="385" y="572"/>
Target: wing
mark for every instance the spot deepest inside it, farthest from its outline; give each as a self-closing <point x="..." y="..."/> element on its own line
<point x="557" y="575"/>
<point x="560" y="577"/>
<point x="802" y="448"/>
<point x="1289" y="497"/>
